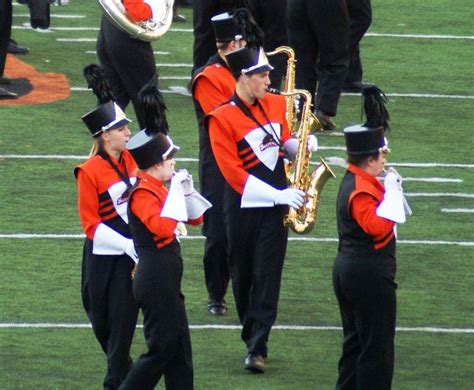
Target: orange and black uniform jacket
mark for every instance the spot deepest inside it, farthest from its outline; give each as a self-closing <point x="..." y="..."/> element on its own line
<point x="145" y="203"/>
<point x="242" y="148"/>
<point x="359" y="227"/>
<point x="213" y="84"/>
<point x="102" y="195"/>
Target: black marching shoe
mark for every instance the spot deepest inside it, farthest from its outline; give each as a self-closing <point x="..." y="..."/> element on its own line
<point x="255" y="363"/>
<point x="14" y="48"/>
<point x="325" y="120"/>
<point x="4" y="94"/>
<point x="217" y="308"/>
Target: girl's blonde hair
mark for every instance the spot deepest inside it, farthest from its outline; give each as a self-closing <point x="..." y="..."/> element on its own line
<point x="97" y="146"/>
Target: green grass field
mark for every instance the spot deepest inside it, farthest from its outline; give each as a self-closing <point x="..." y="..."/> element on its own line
<point x="426" y="69"/>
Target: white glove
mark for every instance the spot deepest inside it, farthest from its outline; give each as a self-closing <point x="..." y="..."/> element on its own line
<point x="109" y="242"/>
<point x="312" y="143"/>
<point x="188" y="185"/>
<point x="291" y="197"/>
<point x="291" y="147"/>
<point x="196" y="205"/>
<point x="175" y="206"/>
<point x="130" y="250"/>
<point x="392" y="207"/>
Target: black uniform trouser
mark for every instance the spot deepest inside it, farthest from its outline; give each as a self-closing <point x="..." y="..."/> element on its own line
<point x="157" y="289"/>
<point x="366" y="292"/>
<point x="360" y="16"/>
<point x="108" y="300"/>
<point x="257" y="243"/>
<point x="215" y="259"/>
<point x="270" y="15"/>
<point x="5" y="31"/>
<point x="320" y="29"/>
<point x="128" y="64"/>
<point x="204" y="45"/>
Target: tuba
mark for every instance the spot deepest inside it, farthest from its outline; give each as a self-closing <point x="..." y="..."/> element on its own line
<point x="303" y="219"/>
<point x="149" y="30"/>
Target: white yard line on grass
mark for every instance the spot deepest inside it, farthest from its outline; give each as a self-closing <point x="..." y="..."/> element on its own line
<point x="461" y="211"/>
<point x="298" y="238"/>
<point x="190" y="159"/>
<point x="63" y="325"/>
<point x="54" y="16"/>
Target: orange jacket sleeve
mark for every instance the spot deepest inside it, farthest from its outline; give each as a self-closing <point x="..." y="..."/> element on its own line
<point x="88" y="204"/>
<point x="363" y="209"/>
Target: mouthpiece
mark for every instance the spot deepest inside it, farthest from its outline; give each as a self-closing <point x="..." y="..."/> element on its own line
<point x="274" y="90"/>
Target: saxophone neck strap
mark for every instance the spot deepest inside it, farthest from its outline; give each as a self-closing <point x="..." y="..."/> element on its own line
<point x="239" y="103"/>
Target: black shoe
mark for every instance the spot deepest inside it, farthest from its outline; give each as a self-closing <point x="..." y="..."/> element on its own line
<point x="5" y="81"/>
<point x="179" y="18"/>
<point x="325" y="120"/>
<point x="4" y="94"/>
<point x="13" y="48"/>
<point x="354" y="87"/>
<point x="217" y="308"/>
<point x="255" y="363"/>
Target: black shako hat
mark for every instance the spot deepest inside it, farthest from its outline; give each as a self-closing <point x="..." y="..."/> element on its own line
<point x="369" y="137"/>
<point x="104" y="117"/>
<point x="152" y="144"/>
<point x="225" y="28"/>
<point x="237" y="25"/>
<point x="364" y="140"/>
<point x="248" y="61"/>
<point x="150" y="149"/>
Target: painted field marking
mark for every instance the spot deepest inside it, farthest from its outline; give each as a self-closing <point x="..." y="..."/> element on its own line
<point x="439" y="194"/>
<point x="300" y="239"/>
<point x="63" y="325"/>
<point x="54" y="16"/>
<point x="190" y="159"/>
<point x="161" y="53"/>
<point x="457" y="210"/>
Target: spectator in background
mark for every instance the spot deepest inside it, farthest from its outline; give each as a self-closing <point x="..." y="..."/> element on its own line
<point x="319" y="29"/>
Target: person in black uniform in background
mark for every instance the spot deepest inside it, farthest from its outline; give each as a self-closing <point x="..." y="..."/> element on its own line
<point x="365" y="265"/>
<point x="213" y="85"/>
<point x="154" y="213"/>
<point x="270" y="15"/>
<point x="129" y="63"/>
<point x="109" y="255"/>
<point x="360" y="16"/>
<point x="204" y="44"/>
<point x="320" y="29"/>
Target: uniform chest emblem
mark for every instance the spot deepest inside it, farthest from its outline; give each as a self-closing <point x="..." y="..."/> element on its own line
<point x="263" y="144"/>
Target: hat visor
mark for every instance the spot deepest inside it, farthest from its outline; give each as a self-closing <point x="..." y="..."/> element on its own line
<point x="120" y="123"/>
<point x="170" y="153"/>
<point x="260" y="69"/>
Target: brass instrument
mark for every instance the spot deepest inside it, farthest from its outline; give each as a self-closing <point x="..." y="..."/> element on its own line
<point x="149" y="30"/>
<point x="303" y="219"/>
<point x="291" y="104"/>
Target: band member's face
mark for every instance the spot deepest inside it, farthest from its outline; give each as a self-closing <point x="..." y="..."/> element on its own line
<point x="168" y="169"/>
<point x="117" y="138"/>
<point x="257" y="84"/>
<point x="378" y="165"/>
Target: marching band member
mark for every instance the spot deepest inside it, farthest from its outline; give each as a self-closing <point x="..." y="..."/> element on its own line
<point x="109" y="255"/>
<point x="365" y="266"/>
<point x="249" y="136"/>
<point x="154" y="213"/>
<point x="129" y="63"/>
<point x="213" y="85"/>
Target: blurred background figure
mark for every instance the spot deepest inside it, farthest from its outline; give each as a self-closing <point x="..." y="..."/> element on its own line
<point x="319" y="29"/>
<point x="129" y="63"/>
<point x="360" y="18"/>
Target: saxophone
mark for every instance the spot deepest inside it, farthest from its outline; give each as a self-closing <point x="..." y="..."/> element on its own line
<point x="149" y="30"/>
<point x="303" y="219"/>
<point x="291" y="103"/>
